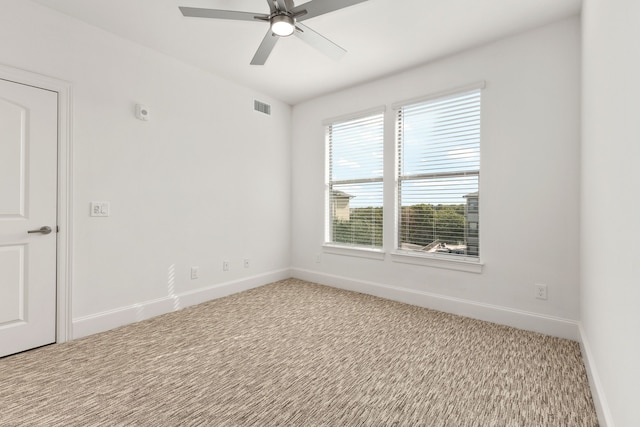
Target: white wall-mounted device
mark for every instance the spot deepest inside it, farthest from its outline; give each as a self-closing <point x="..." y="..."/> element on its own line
<point x="100" y="209"/>
<point x="142" y="112"/>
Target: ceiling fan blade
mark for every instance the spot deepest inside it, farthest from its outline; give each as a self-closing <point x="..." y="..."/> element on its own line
<point x="320" y="7"/>
<point x="320" y="42"/>
<point x="282" y="5"/>
<point x="265" y="48"/>
<point x="272" y="6"/>
<point x="197" y="12"/>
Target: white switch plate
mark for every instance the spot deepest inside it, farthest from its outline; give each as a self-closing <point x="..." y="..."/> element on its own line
<point x="99" y="209"/>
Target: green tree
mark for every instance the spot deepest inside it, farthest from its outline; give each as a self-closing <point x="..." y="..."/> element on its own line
<point x="417" y="224"/>
<point x="449" y="226"/>
<point x="363" y="228"/>
<point x="421" y="224"/>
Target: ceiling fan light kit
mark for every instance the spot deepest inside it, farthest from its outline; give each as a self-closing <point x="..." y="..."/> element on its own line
<point x="284" y="20"/>
<point x="282" y="25"/>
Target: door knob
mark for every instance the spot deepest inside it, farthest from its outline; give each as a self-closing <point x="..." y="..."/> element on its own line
<point x="43" y="230"/>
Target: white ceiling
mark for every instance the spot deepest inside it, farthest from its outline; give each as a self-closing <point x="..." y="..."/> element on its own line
<point x="381" y="36"/>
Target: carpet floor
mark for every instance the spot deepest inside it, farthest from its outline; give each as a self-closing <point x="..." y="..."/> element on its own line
<point x="294" y="353"/>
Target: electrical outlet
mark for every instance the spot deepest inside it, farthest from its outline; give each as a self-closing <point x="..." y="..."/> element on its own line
<point x="541" y="291"/>
<point x="246" y="263"/>
<point x="195" y="273"/>
<point x="225" y="265"/>
<point x="318" y="258"/>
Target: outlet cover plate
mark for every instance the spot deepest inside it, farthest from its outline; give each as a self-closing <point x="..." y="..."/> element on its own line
<point x="541" y="291"/>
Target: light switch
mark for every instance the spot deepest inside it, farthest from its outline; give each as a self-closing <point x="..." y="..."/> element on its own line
<point x="99" y="208"/>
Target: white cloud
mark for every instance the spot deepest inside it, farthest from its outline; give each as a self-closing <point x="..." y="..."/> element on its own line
<point x="347" y="163"/>
<point x="463" y="153"/>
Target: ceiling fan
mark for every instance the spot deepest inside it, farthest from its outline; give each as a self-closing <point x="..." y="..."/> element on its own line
<point x="284" y="19"/>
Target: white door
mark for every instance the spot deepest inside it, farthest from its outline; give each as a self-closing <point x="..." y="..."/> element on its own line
<point x="28" y="193"/>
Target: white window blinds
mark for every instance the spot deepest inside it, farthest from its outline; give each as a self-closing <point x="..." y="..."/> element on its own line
<point x="355" y="181"/>
<point x="438" y="175"/>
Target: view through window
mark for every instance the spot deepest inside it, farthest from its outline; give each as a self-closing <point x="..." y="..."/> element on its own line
<point x="355" y="181"/>
<point x="438" y="143"/>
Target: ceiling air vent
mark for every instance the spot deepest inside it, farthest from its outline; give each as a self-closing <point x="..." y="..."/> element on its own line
<point x="262" y="107"/>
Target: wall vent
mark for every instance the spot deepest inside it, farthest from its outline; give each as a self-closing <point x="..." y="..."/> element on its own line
<point x="262" y="107"/>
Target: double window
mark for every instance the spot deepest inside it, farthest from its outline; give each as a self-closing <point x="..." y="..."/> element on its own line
<point x="436" y="200"/>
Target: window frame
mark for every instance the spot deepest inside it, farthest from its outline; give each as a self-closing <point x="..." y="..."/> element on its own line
<point x="390" y="197"/>
<point x="459" y="262"/>
<point x="343" y="248"/>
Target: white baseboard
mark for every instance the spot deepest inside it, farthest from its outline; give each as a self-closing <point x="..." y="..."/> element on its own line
<point x="597" y="393"/>
<point x="100" y="322"/>
<point x="549" y="325"/>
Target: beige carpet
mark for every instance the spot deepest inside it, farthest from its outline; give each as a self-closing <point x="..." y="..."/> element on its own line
<point x="298" y="354"/>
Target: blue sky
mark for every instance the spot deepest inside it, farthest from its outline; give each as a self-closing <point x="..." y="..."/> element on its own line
<point x="439" y="137"/>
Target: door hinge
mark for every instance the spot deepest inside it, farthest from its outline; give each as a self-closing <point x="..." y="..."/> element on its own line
<point x="57" y="228"/>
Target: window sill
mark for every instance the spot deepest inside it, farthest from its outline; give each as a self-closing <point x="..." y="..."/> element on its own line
<point x="467" y="265"/>
<point x="354" y="251"/>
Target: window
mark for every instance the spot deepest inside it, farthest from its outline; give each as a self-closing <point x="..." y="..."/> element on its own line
<point x="355" y="180"/>
<point x="438" y="146"/>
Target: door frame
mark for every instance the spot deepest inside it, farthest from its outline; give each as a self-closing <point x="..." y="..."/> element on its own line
<point x="64" y="258"/>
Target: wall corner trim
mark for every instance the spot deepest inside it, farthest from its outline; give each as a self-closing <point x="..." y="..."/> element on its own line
<point x="549" y="325"/>
<point x="597" y="392"/>
<point x="106" y="320"/>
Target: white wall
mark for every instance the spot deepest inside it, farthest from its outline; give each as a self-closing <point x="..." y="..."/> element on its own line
<point x="205" y="180"/>
<point x="610" y="289"/>
<point x="185" y="186"/>
<point x="529" y="180"/>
